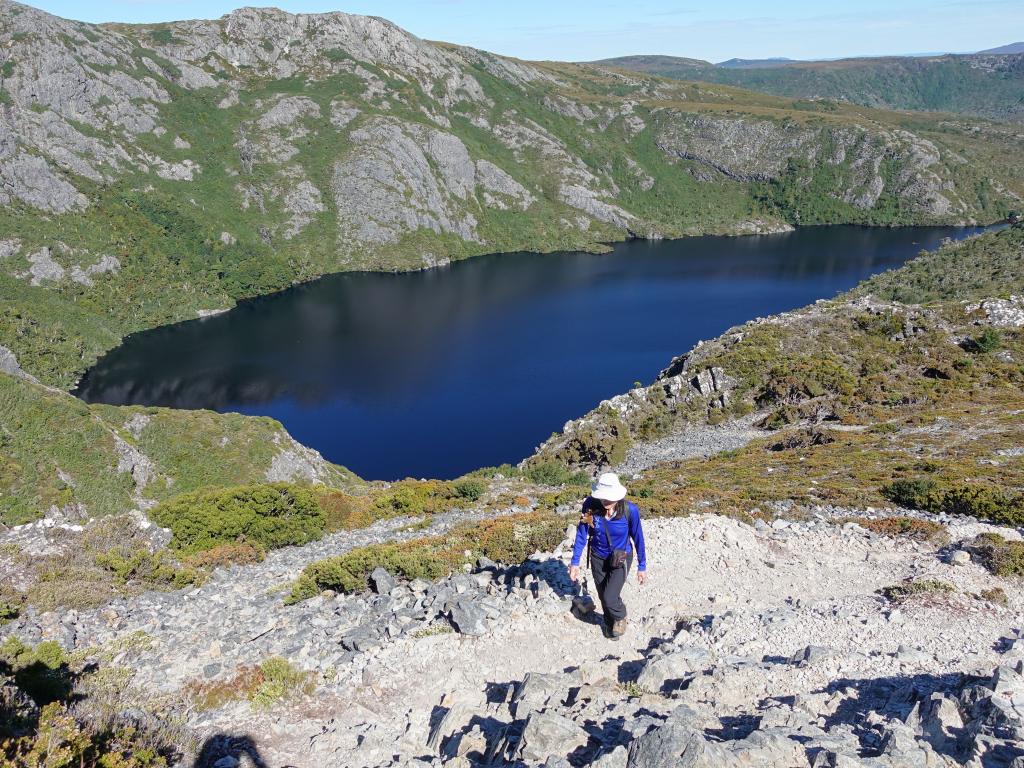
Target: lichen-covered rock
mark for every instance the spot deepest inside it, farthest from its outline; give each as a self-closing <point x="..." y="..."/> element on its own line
<point x="387" y="185"/>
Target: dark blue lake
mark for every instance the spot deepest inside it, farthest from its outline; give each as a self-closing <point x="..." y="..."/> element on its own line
<point x="433" y="374"/>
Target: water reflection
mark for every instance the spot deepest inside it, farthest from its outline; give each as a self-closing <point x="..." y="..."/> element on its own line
<point x="438" y="372"/>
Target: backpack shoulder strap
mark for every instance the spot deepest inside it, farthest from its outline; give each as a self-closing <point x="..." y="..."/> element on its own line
<point x="607" y="536"/>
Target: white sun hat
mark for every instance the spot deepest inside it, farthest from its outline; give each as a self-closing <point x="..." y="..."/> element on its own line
<point x="608" y="488"/>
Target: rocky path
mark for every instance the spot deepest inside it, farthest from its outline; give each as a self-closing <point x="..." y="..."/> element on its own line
<point x="769" y="629"/>
<point x="236" y="617"/>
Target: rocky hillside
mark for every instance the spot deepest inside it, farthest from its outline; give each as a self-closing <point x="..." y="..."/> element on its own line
<point x="152" y="173"/>
<point x="986" y="84"/>
<point x="834" y="496"/>
<point x="907" y="358"/>
<point x="834" y="501"/>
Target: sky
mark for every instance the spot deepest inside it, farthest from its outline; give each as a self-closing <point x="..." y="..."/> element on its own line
<point x="582" y="30"/>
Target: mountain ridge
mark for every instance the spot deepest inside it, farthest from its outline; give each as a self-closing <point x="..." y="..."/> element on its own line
<point x="986" y="84"/>
<point x="208" y="161"/>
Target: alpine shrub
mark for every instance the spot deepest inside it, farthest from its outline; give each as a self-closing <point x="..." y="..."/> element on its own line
<point x="270" y="515"/>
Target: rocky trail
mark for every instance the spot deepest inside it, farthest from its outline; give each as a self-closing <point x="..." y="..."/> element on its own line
<point x="761" y="644"/>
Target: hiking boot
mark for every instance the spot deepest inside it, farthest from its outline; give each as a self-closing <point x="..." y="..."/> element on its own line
<point x="619" y="629"/>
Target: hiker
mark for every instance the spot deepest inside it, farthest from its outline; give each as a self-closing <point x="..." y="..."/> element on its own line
<point x="612" y="526"/>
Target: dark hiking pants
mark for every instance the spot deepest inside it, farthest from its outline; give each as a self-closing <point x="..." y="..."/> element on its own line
<point x="608" y="582"/>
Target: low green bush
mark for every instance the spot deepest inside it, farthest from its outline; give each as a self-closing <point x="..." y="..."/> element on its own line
<point x="988" y="340"/>
<point x="236" y="553"/>
<point x="983" y="501"/>
<point x="280" y="681"/>
<point x="42" y="672"/>
<point x="488" y="473"/>
<point x="275" y="679"/>
<point x="270" y="515"/>
<point x="996" y="595"/>
<point x="83" y="716"/>
<point x="917" y="493"/>
<point x="999" y="556"/>
<point x="508" y="539"/>
<point x="349" y="572"/>
<point x="910" y="527"/>
<point x="804" y="377"/>
<point x="9" y="609"/>
<point x="470" y="488"/>
<point x="897" y="593"/>
<point x="153" y="569"/>
<point x="416" y="497"/>
<point x="554" y="473"/>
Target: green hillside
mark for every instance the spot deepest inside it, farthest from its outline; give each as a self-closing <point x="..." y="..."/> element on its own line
<point x="985" y="85"/>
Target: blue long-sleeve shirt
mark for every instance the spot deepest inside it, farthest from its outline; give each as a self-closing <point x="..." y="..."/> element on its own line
<point x="621" y="530"/>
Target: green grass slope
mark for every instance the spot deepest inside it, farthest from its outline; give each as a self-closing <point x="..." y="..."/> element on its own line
<point x="94" y="460"/>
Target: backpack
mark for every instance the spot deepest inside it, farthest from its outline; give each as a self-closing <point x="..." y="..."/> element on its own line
<point x="618" y="556"/>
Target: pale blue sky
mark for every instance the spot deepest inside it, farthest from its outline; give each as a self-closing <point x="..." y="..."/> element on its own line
<point x="577" y="30"/>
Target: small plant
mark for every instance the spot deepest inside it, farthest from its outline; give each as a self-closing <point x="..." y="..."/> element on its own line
<point x="976" y="500"/>
<point x="898" y="593"/>
<point x="508" y="539"/>
<point x="986" y="502"/>
<point x="273" y="680"/>
<point x="919" y="493"/>
<point x="416" y="497"/>
<point x="910" y="527"/>
<point x="9" y="610"/>
<point x="780" y="418"/>
<point x="235" y="553"/>
<point x="995" y="595"/>
<point x="42" y="672"/>
<point x="432" y="631"/>
<point x="989" y="340"/>
<point x="884" y="428"/>
<point x="280" y="680"/>
<point x="555" y="473"/>
<point x="999" y="556"/>
<point x="884" y="324"/>
<point x="163" y="36"/>
<point x="633" y="690"/>
<point x="153" y="569"/>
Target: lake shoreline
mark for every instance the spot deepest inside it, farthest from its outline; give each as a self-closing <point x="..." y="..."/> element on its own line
<point x="397" y="356"/>
<point x="447" y="263"/>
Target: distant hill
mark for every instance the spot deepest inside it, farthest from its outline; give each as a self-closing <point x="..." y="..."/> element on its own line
<point x="988" y="84"/>
<point x="754" y="63"/>
<point x="1011" y="48"/>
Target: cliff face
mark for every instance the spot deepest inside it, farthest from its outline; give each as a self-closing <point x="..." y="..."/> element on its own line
<point x="150" y="173"/>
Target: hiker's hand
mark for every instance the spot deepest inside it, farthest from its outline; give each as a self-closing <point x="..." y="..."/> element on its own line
<point x="641" y="577"/>
<point x="574" y="572"/>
